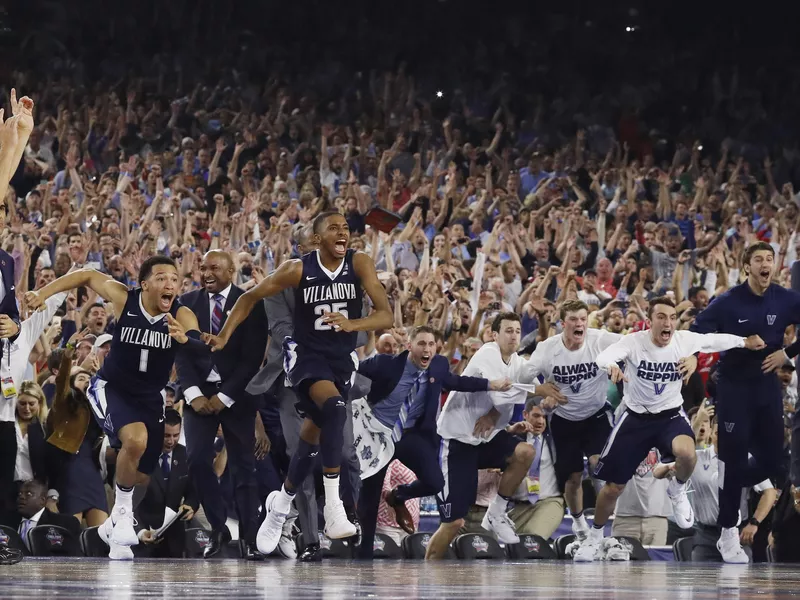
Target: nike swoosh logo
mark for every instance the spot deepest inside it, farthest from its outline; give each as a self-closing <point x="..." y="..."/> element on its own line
<point x="130" y="314"/>
<point x="743" y="320"/>
<point x="313" y="453"/>
<point x="310" y="278"/>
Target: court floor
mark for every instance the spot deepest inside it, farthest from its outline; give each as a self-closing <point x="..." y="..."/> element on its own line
<point x="88" y="578"/>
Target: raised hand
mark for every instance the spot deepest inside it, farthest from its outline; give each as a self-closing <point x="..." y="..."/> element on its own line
<point x="176" y="331"/>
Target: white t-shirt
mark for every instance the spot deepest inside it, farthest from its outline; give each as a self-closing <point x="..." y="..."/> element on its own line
<point x="654" y="382"/>
<point x="20" y="351"/>
<point x="462" y="409"/>
<point x="574" y="371"/>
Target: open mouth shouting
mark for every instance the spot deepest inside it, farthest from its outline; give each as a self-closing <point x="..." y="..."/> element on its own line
<point x="340" y="247"/>
<point x="425" y="359"/>
<point x="578" y="333"/>
<point x="665" y="335"/>
<point x="165" y="301"/>
<point x="764" y="274"/>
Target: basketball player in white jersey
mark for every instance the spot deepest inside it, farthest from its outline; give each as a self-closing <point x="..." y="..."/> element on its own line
<point x="580" y="426"/>
<point x="653" y="417"/>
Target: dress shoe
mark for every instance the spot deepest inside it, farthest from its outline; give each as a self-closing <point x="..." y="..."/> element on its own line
<point x="311" y="553"/>
<point x="401" y="513"/>
<point x="249" y="552"/>
<point x="217" y="542"/>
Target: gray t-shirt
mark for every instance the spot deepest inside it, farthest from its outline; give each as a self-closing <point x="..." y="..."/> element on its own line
<point x="645" y="496"/>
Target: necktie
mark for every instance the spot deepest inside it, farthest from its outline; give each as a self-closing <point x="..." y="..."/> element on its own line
<point x="24" y="528"/>
<point x="216" y="315"/>
<point x="399" y="425"/>
<point x="533" y="472"/>
<point x="165" y="466"/>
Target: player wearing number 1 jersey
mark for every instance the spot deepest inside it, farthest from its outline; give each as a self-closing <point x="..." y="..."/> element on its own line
<point x="319" y="360"/>
<point x="126" y="396"/>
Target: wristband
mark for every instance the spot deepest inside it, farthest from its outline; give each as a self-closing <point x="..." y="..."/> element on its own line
<point x="70" y="346"/>
<point x="754" y="521"/>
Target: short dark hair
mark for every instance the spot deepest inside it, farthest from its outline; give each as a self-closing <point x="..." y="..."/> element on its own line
<point x="172" y="417"/>
<point x="753" y="248"/>
<point x="532" y="403"/>
<point x="693" y="291"/>
<point x="322" y="217"/>
<point x="504" y="316"/>
<point x="147" y="266"/>
<point x="422" y="329"/>
<point x="74" y="234"/>
<point x="663" y="300"/>
<point x="572" y="306"/>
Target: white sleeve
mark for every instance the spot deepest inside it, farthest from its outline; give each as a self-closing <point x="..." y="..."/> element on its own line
<point x="608" y="338"/>
<point x="764" y="486"/>
<point x="711" y="282"/>
<point x="712" y="342"/>
<point x="477" y="281"/>
<point x="536" y="365"/>
<point x="615" y="352"/>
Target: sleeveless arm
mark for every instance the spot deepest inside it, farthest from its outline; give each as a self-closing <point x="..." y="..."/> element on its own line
<point x="381" y="317"/>
<point x="286" y="276"/>
<point x="104" y="285"/>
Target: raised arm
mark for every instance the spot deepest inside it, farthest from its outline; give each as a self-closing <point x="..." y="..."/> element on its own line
<point x="286" y="276"/>
<point x="104" y="285"/>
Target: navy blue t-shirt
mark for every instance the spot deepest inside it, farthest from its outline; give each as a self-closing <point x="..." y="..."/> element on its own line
<point x="740" y="311"/>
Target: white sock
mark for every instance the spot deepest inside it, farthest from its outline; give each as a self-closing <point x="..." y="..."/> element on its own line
<point x="124" y="499"/>
<point x="498" y="506"/>
<point x="283" y="501"/>
<point x="582" y="521"/>
<point x="331" y="490"/>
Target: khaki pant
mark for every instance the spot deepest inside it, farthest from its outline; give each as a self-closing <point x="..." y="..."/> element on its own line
<point x="541" y="518"/>
<point x="650" y="531"/>
<point x="472" y="522"/>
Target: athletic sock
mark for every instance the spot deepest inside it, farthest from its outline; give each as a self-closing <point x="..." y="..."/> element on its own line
<point x="334" y="412"/>
<point x="283" y="501"/>
<point x="577" y="515"/>
<point x="598" y="527"/>
<point x="498" y="506"/>
<point x="124" y="498"/>
<point x="331" y="484"/>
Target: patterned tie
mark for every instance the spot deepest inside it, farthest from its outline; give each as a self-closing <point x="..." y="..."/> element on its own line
<point x="216" y="316"/>
<point x="533" y="473"/>
<point x="165" y="466"/>
<point x="400" y="424"/>
<point x="26" y="526"/>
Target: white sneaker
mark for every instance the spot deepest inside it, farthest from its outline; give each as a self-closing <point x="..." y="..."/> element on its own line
<point x="269" y="534"/>
<point x="580" y="528"/>
<point x="590" y="547"/>
<point x="119" y="552"/>
<point x="123" y="532"/>
<point x="337" y="525"/>
<point x="730" y="548"/>
<point x="681" y="509"/>
<point x="502" y="527"/>
<point x="286" y="546"/>
<point x="104" y="530"/>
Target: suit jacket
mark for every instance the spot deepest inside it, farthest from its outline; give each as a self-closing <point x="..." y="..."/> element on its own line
<point x="242" y="355"/>
<point x="386" y="370"/>
<point x="9" y="304"/>
<point x="38" y="453"/>
<point x="68" y="522"/>
<point x="176" y="490"/>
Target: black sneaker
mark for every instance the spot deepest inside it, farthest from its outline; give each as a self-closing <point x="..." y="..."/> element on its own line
<point x="10" y="556"/>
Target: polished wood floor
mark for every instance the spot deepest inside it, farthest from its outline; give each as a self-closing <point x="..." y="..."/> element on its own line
<point x="86" y="579"/>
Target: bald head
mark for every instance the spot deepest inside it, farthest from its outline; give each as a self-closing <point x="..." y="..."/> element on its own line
<point x="386" y="344"/>
<point x="216" y="271"/>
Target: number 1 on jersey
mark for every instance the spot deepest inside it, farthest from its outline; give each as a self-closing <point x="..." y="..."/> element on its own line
<point x="143" y="355"/>
<point x="340" y="307"/>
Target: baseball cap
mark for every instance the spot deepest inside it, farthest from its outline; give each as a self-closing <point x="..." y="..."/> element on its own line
<point x="103" y="339"/>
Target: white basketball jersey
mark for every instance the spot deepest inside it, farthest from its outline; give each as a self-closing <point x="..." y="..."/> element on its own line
<point x="574" y="371"/>
<point x="654" y="382"/>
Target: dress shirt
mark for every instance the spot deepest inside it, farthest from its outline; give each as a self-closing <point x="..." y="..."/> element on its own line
<point x="23" y="471"/>
<point x="213" y="377"/>
<point x="27" y="524"/>
<point x="387" y="411"/>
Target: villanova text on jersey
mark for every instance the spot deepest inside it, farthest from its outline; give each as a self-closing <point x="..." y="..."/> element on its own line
<point x="320" y="292"/>
<point x="142" y="351"/>
<point x="574" y="374"/>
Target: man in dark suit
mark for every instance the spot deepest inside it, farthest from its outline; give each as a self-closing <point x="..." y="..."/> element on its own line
<point x="31" y="512"/>
<point x="270" y="379"/>
<point x="214" y="389"/>
<point x="404" y="399"/>
<point x="170" y="486"/>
